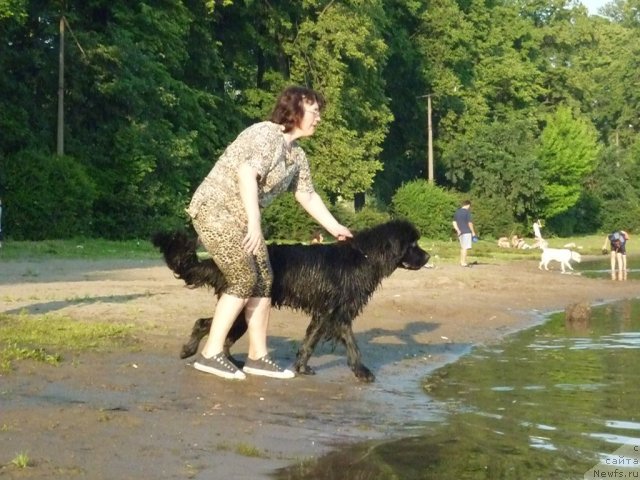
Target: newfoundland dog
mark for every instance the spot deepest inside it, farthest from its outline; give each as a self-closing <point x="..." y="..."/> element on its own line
<point x="330" y="282"/>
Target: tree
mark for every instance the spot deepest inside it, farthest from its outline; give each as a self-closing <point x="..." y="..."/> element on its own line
<point x="615" y="187"/>
<point x="568" y="154"/>
<point x="498" y="160"/>
<point x="12" y="9"/>
<point x="404" y="150"/>
<point x="340" y="50"/>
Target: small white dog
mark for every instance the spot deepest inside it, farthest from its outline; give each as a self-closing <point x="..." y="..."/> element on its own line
<point x="562" y="255"/>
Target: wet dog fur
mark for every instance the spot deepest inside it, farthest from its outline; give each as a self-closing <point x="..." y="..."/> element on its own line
<point x="332" y="283"/>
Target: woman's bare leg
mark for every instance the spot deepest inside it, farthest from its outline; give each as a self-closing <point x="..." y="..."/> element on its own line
<point x="257" y="313"/>
<point x="227" y="310"/>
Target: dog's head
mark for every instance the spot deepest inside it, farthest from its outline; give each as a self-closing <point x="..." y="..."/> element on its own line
<point x="392" y="244"/>
<point x="576" y="257"/>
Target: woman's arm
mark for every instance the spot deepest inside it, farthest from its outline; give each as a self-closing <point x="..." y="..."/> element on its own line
<point x="315" y="207"/>
<point x="248" y="182"/>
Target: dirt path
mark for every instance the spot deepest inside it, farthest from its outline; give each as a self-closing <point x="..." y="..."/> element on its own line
<point x="147" y="414"/>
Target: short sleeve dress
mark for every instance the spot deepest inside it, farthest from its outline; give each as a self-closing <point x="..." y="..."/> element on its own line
<point x="217" y="212"/>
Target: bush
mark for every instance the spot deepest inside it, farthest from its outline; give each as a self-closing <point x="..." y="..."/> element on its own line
<point x="47" y="197"/>
<point x="367" y="217"/>
<point x="286" y="219"/>
<point x="493" y="218"/>
<point x="621" y="215"/>
<point x="429" y="207"/>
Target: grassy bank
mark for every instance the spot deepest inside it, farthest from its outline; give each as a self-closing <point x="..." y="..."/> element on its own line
<point x="91" y="249"/>
<point x="143" y="249"/>
<point x="488" y="250"/>
<point x="47" y="338"/>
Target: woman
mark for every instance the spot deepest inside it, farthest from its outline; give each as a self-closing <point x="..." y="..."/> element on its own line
<point x="618" y="242"/>
<point x="262" y="162"/>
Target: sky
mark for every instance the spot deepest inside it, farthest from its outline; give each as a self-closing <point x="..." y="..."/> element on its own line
<point x="594" y="5"/>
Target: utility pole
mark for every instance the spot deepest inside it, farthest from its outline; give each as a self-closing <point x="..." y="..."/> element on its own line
<point x="60" y="143"/>
<point x="429" y="141"/>
<point x="429" y="138"/>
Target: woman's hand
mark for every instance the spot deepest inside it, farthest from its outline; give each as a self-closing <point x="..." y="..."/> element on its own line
<point x="248" y="180"/>
<point x="314" y="205"/>
<point x="341" y="232"/>
<point x="254" y="239"/>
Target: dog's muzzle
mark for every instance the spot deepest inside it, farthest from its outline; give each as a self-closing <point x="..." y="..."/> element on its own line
<point x="415" y="259"/>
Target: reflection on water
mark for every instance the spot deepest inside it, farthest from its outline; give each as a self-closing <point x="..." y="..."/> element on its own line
<point x="601" y="268"/>
<point x="549" y="403"/>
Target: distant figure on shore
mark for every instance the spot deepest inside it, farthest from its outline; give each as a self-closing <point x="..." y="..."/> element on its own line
<point x="537" y="233"/>
<point x="463" y="225"/>
<point x="317" y="237"/>
<point x="519" y="243"/>
<point x="618" y="243"/>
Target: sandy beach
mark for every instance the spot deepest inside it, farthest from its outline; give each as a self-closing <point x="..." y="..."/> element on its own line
<point x="144" y="413"/>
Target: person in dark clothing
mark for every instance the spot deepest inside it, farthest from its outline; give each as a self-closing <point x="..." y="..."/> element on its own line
<point x="463" y="225"/>
<point x="618" y="246"/>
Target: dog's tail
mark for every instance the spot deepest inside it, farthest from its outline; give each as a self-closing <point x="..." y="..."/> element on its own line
<point x="180" y="254"/>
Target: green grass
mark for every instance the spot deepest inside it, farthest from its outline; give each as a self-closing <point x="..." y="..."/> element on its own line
<point x="487" y="250"/>
<point x="21" y="460"/>
<point x="244" y="449"/>
<point x="92" y="249"/>
<point x="45" y="338"/>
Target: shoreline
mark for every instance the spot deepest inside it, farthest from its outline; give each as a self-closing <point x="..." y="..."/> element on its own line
<point x="142" y="413"/>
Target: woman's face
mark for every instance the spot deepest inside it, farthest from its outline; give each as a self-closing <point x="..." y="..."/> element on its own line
<point x="310" y="119"/>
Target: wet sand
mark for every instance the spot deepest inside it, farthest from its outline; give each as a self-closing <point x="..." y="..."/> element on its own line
<point x="143" y="413"/>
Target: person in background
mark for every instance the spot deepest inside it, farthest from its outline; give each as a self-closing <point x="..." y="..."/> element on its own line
<point x="317" y="237"/>
<point x="264" y="161"/>
<point x="463" y="225"/>
<point x="618" y="246"/>
<point x="537" y="233"/>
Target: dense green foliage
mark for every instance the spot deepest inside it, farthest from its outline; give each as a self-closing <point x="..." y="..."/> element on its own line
<point x="534" y="109"/>
<point x="429" y="207"/>
<point x="568" y="153"/>
<point x="286" y="219"/>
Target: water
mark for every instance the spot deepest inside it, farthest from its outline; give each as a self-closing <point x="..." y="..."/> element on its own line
<point x="551" y="402"/>
<point x="601" y="268"/>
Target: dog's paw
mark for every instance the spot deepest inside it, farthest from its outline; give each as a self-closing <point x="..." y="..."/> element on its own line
<point x="304" y="370"/>
<point x="188" y="350"/>
<point x="364" y="374"/>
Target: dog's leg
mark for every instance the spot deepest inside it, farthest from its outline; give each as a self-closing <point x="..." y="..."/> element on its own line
<point x="200" y="330"/>
<point x="353" y="354"/>
<point x="540" y="266"/>
<point x="311" y="339"/>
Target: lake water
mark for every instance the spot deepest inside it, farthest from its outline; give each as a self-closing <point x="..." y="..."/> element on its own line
<point x="601" y="268"/>
<point x="552" y="402"/>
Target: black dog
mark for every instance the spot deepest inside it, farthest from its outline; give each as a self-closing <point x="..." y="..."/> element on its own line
<point x="332" y="283"/>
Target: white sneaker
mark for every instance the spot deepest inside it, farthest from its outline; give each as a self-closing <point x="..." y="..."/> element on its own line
<point x="267" y="368"/>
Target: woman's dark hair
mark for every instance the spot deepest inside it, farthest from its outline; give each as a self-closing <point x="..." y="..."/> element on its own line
<point x="289" y="108"/>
